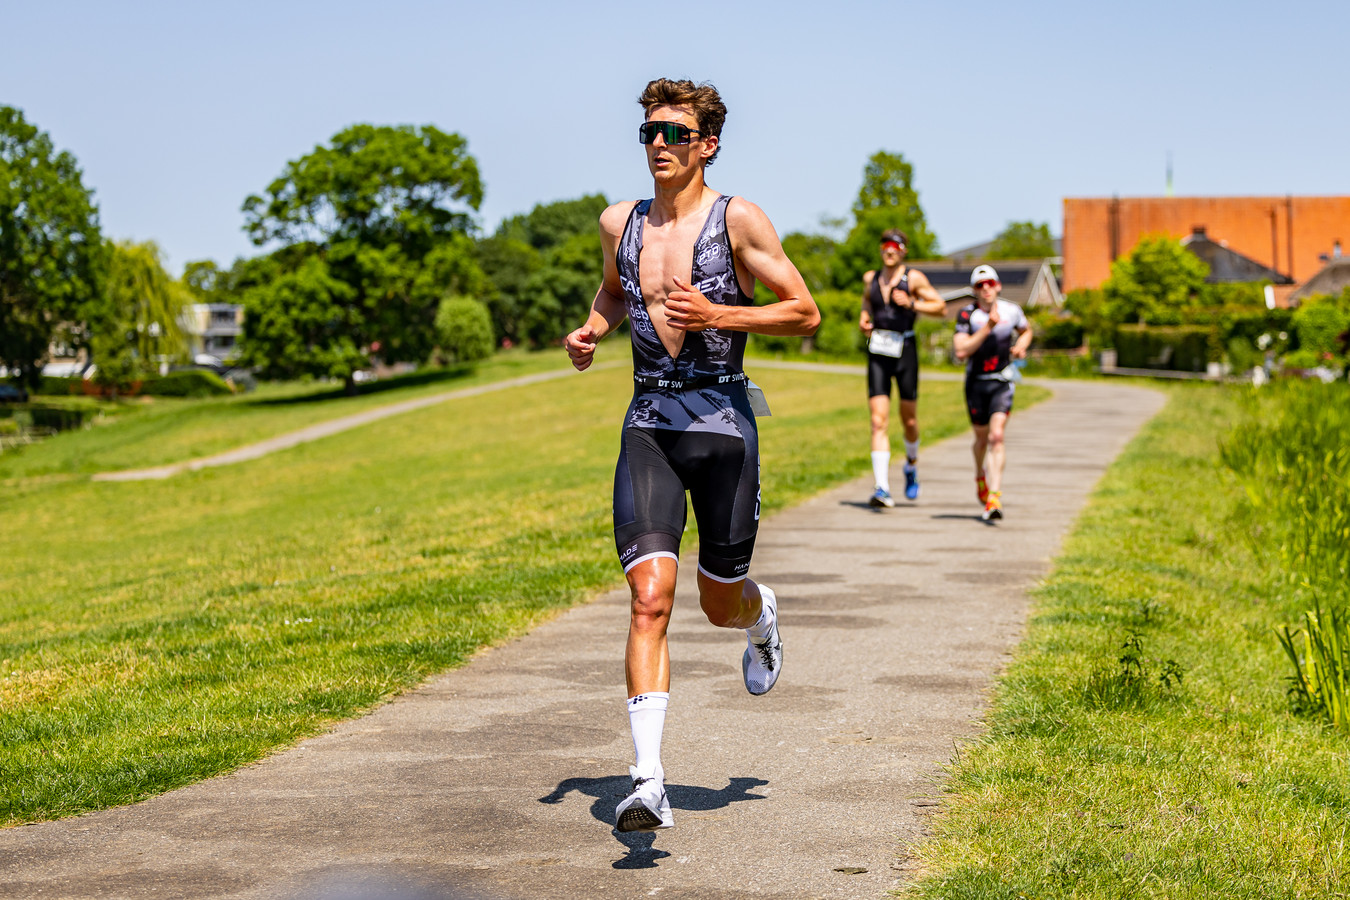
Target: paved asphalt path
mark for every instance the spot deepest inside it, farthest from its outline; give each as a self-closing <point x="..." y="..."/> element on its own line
<point x="499" y="779"/>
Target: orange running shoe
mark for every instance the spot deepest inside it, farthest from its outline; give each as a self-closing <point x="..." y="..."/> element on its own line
<point x="993" y="507"/>
<point x="981" y="489"/>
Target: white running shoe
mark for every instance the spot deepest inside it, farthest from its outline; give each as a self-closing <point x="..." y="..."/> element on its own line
<point x="646" y="808"/>
<point x="761" y="663"/>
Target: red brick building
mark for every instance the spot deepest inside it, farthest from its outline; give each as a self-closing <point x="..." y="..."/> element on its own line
<point x="1292" y="235"/>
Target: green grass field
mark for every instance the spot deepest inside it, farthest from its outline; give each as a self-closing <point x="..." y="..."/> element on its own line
<point x="1101" y="776"/>
<point x="159" y="430"/>
<point x="156" y="633"/>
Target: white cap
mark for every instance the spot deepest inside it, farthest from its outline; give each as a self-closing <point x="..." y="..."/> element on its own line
<point x="983" y="273"/>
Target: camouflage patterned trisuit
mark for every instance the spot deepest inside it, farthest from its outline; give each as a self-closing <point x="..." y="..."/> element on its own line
<point x="689" y="426"/>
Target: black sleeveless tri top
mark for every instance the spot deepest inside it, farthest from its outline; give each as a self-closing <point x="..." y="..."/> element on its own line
<point x="885" y="314"/>
<point x="705" y="356"/>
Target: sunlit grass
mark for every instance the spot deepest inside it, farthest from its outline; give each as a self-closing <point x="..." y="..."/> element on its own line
<point x="155" y="633"/>
<point x="154" y="431"/>
<point x="1087" y="787"/>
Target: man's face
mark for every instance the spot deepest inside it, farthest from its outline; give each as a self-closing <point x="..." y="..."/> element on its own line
<point x="987" y="292"/>
<point x="892" y="252"/>
<point x="674" y="162"/>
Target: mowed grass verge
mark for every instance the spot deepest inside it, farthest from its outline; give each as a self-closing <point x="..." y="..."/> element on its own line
<point x="161" y="430"/>
<point x="157" y="633"/>
<point x="1099" y="780"/>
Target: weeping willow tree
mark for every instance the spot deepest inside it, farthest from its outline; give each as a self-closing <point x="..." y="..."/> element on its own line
<point x="143" y="312"/>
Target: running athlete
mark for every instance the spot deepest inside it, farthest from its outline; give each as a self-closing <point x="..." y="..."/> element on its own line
<point x="892" y="298"/>
<point x="990" y="334"/>
<point x="678" y="266"/>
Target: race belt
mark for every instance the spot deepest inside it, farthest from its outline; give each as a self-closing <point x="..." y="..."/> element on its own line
<point x="686" y="384"/>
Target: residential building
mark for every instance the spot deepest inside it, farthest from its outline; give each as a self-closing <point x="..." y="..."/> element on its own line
<point x="213" y="329"/>
<point x="1288" y="236"/>
<point x="1029" y="283"/>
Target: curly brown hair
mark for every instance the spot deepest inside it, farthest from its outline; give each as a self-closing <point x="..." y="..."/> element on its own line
<point x="709" y="110"/>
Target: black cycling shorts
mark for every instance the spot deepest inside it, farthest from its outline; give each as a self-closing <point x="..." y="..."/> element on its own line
<point x="987" y="396"/>
<point x="905" y="371"/>
<point x="720" y="472"/>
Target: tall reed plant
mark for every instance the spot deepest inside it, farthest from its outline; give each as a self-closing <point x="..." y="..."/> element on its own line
<point x="1320" y="652"/>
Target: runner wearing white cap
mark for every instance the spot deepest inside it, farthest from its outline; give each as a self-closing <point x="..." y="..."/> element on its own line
<point x="892" y="299"/>
<point x="990" y="334"/>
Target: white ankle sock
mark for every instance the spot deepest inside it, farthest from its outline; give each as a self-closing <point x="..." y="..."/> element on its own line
<point x="881" y="468"/>
<point x="912" y="451"/>
<point x="647" y="718"/>
<point x="762" y="630"/>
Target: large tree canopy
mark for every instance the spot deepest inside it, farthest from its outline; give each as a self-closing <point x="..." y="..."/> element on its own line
<point x="374" y="233"/>
<point x="886" y="199"/>
<point x="52" y="257"/>
<point x="1154" y="282"/>
<point x="1023" y="240"/>
<point x="545" y="266"/>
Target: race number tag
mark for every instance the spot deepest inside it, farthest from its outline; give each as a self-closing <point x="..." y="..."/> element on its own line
<point x="758" y="405"/>
<point x="886" y="343"/>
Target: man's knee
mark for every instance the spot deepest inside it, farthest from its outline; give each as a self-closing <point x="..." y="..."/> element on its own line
<point x="880" y="421"/>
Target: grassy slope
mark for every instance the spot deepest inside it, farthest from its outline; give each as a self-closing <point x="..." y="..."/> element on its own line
<point x="1213" y="789"/>
<point x="165" y="430"/>
<point x="156" y="633"/>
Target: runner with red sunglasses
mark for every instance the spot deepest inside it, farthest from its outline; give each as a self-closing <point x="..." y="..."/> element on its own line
<point x="990" y="334"/>
<point x="892" y="299"/>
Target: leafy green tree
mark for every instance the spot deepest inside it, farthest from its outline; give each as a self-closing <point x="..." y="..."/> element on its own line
<point x="374" y="231"/>
<point x="145" y="302"/>
<point x="1023" y="240"/>
<point x="1155" y="283"/>
<point x="508" y="263"/>
<point x="52" y="258"/>
<point x="560" y="292"/>
<point x="464" y="330"/>
<point x="541" y="264"/>
<point x="813" y="254"/>
<point x="886" y="199"/>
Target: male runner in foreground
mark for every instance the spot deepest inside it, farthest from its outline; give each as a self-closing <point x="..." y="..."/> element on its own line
<point x="891" y="300"/>
<point x="990" y="334"/>
<point x="677" y="266"/>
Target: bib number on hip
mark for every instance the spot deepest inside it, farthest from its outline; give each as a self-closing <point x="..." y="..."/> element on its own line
<point x="886" y="343"/>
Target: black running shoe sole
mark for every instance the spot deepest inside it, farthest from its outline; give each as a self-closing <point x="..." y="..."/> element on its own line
<point x="638" y="818"/>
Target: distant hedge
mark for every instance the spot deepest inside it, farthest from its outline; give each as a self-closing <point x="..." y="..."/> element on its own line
<point x="186" y="383"/>
<point x="182" y="383"/>
<point x="1183" y="348"/>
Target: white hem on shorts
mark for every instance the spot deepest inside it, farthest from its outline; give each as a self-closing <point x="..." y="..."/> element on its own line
<point x="656" y="555"/>
<point x="706" y="574"/>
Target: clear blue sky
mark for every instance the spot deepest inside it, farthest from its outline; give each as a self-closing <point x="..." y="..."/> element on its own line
<point x="177" y="111"/>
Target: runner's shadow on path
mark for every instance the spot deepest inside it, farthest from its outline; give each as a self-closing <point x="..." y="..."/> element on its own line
<point x="975" y="518"/>
<point x="863" y="504"/>
<point x="692" y="798"/>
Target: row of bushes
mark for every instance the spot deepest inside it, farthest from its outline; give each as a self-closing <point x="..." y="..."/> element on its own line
<point x="182" y="383"/>
<point x="38" y="415"/>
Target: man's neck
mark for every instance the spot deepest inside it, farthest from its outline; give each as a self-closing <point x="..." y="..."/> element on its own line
<point x="987" y="305"/>
<point x="676" y="201"/>
<point x="889" y="272"/>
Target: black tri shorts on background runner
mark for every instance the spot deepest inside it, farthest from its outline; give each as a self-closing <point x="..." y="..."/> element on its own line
<point x="721" y="473"/>
<point x="905" y="371"/>
<point x="986" y="396"/>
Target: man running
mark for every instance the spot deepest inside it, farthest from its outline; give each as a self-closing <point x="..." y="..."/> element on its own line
<point x="892" y="298"/>
<point x="678" y="266"/>
<point x="990" y="334"/>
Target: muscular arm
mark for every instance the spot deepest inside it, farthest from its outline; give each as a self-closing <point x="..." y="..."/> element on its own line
<point x="1023" y="343"/>
<point x="926" y="298"/>
<point x="755" y="244"/>
<point x="865" y="317"/>
<point x="608" y="308"/>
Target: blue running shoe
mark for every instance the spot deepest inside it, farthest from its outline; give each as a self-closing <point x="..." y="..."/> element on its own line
<point x="911" y="481"/>
<point x="882" y="498"/>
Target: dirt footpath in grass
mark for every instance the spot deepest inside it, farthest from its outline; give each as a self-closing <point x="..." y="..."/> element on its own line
<point x="499" y="780"/>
